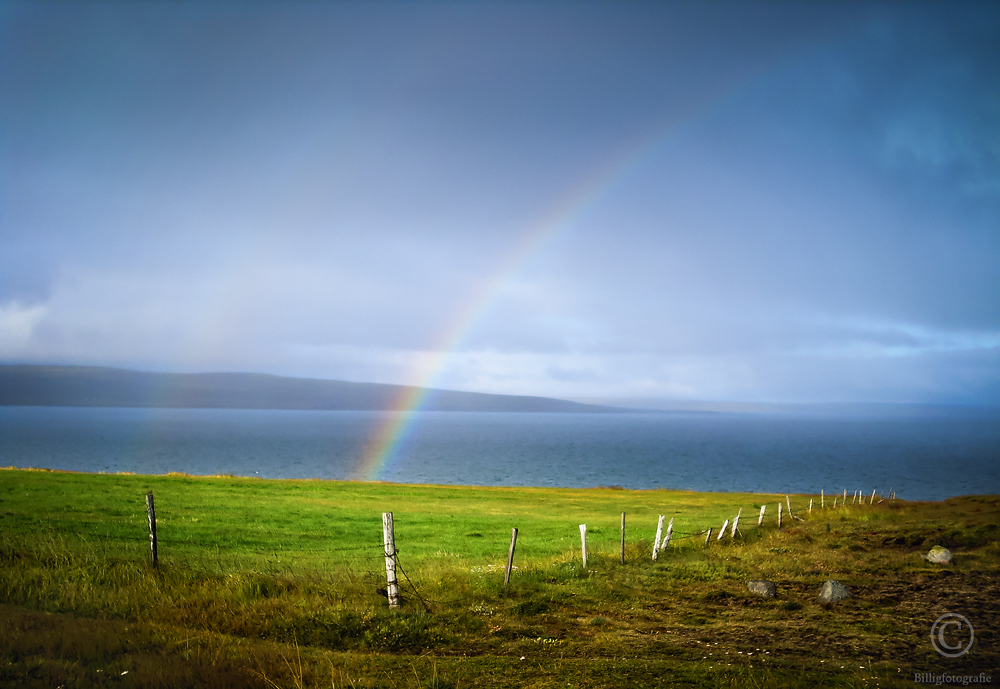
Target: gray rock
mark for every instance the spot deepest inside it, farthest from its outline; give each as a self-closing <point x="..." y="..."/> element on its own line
<point x="768" y="589"/>
<point x="939" y="555"/>
<point x="833" y="591"/>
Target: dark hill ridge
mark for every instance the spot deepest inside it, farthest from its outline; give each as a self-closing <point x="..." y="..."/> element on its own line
<point x="82" y="386"/>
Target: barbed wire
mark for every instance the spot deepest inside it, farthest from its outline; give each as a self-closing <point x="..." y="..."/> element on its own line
<point x="676" y="536"/>
<point x="395" y="557"/>
<point x="213" y="545"/>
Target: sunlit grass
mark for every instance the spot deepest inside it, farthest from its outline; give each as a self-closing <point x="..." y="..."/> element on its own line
<point x="277" y="583"/>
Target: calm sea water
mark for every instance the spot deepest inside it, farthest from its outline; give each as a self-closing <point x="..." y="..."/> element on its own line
<point x="923" y="457"/>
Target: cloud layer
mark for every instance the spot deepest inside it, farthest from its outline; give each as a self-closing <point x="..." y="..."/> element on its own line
<point x="762" y="202"/>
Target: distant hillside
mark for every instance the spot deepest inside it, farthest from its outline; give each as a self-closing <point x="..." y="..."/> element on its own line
<point x="79" y="386"/>
<point x="852" y="409"/>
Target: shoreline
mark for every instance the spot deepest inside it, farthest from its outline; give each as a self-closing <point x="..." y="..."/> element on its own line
<point x="469" y="486"/>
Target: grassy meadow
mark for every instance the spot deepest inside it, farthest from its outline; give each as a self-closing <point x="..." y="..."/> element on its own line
<point x="280" y="584"/>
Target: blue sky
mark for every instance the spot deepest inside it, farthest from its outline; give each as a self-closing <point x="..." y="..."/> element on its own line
<point x="772" y="202"/>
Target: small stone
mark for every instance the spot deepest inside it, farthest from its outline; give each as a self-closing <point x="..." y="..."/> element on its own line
<point x="768" y="589"/>
<point x="939" y="555"/>
<point x="833" y="591"/>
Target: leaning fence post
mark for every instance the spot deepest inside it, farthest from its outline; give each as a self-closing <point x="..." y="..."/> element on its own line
<point x="789" y="503"/>
<point x="736" y="523"/>
<point x="151" y="513"/>
<point x="389" y="539"/>
<point x="779" y="514"/>
<point x="872" y="501"/>
<point x="708" y="536"/>
<point x="583" y="543"/>
<point x="670" y="531"/>
<point x="623" y="538"/>
<point x="722" y="531"/>
<point x="760" y="519"/>
<point x="510" y="556"/>
<point x="656" y="541"/>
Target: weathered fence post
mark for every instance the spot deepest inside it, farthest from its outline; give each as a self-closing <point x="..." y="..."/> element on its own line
<point x="810" y="505"/>
<point x="708" y="536"/>
<point x="822" y="499"/>
<point x="835" y="503"/>
<point x="670" y="531"/>
<point x="389" y="539"/>
<point x="623" y="538"/>
<point x="760" y="519"/>
<point x="583" y="543"/>
<point x="151" y="513"/>
<point x="656" y="541"/>
<point x="872" y="501"/>
<point x="722" y="531"/>
<point x="510" y="556"/>
<point x="736" y="523"/>
<point x="779" y="515"/>
<point x="789" y="503"/>
<point x="844" y="501"/>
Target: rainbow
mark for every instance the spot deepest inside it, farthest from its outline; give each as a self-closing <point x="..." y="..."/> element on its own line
<point x="400" y="418"/>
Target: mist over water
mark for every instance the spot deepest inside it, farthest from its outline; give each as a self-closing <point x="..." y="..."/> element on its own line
<point x="923" y="457"/>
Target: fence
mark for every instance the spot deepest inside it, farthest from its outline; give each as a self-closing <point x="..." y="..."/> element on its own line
<point x="661" y="540"/>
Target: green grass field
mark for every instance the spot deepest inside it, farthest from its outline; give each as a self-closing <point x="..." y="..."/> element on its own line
<point x="279" y="584"/>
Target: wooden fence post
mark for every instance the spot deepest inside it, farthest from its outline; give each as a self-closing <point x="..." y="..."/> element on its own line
<point x="708" y="536"/>
<point x="151" y="514"/>
<point x="623" y="538"/>
<point x="844" y="501"/>
<point x="872" y="501"/>
<point x="583" y="543"/>
<point x="835" y="503"/>
<point x="760" y="519"/>
<point x="736" y="523"/>
<point x="389" y="539"/>
<point x="670" y="531"/>
<point x="510" y="556"/>
<point x="779" y="515"/>
<point x="822" y="499"/>
<point x="789" y="503"/>
<point x="659" y="532"/>
<point x="810" y="505"/>
<point x="722" y="531"/>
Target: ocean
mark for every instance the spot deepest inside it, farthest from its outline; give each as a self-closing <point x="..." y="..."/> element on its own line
<point x="928" y="456"/>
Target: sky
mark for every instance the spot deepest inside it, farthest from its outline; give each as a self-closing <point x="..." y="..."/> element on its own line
<point x="757" y="202"/>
